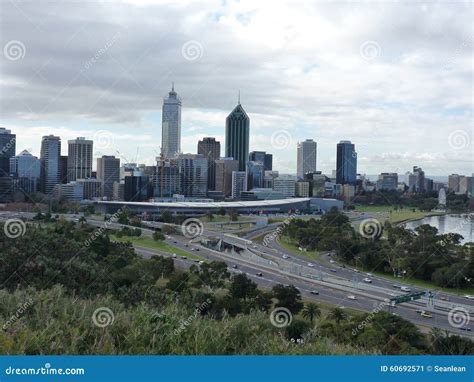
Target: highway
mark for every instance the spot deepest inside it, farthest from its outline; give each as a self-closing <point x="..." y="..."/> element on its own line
<point x="334" y="286"/>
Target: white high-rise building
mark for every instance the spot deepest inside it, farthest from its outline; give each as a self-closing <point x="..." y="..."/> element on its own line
<point x="239" y="183"/>
<point x="79" y="159"/>
<point x="171" y="125"/>
<point x="306" y="160"/>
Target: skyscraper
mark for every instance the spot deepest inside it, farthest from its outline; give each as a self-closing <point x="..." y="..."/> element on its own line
<point x="193" y="175"/>
<point x="262" y="156"/>
<point x="346" y="163"/>
<point x="306" y="157"/>
<point x="171" y="125"/>
<point x="211" y="149"/>
<point x="7" y="150"/>
<point x="108" y="172"/>
<point x="79" y="159"/>
<point x="26" y="169"/>
<point x="50" y="153"/>
<point x="237" y="130"/>
<point x="224" y="169"/>
<point x="255" y="175"/>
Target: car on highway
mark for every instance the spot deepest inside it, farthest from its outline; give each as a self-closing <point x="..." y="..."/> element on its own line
<point x="285" y="257"/>
<point x="174" y="256"/>
<point x="315" y="292"/>
<point x="444" y="298"/>
<point x="310" y="265"/>
<point x="367" y="280"/>
<point x="332" y="261"/>
<point x="425" y="314"/>
<point x="396" y="286"/>
<point x="351" y="297"/>
<point x="184" y="257"/>
<point x="469" y="297"/>
<point x="259" y="274"/>
<point x="405" y="289"/>
<point x="333" y="270"/>
<point x="235" y="266"/>
<point x="465" y="328"/>
<point x="370" y="274"/>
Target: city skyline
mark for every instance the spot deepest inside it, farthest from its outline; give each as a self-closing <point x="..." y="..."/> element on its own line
<point x="295" y="82"/>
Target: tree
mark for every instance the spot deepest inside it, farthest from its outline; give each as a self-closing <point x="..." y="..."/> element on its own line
<point x="310" y="311"/>
<point x="210" y="216"/>
<point x="221" y="211"/>
<point x="166" y="216"/>
<point x="242" y="287"/>
<point x="82" y="220"/>
<point x="338" y="315"/>
<point x="288" y="297"/>
<point x="158" y="236"/>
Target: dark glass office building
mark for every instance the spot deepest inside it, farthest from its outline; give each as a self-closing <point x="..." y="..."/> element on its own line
<point x="211" y="149"/>
<point x="7" y="150"/>
<point x="263" y="157"/>
<point x="237" y="126"/>
<point x="346" y="165"/>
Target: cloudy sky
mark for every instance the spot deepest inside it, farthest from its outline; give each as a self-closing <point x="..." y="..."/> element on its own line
<point x="393" y="77"/>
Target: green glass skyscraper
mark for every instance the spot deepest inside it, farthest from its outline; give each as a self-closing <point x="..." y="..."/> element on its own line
<point x="237" y="127"/>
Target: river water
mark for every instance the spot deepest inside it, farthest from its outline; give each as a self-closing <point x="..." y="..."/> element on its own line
<point x="461" y="224"/>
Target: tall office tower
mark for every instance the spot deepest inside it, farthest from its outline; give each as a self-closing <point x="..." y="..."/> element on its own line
<point x="237" y="130"/>
<point x="239" y="183"/>
<point x="211" y="149"/>
<point x="224" y="169"/>
<point x="387" y="181"/>
<point x="108" y="172"/>
<point x="416" y="180"/>
<point x="7" y="150"/>
<point x="26" y="169"/>
<point x="193" y="175"/>
<point x="306" y="157"/>
<point x="167" y="182"/>
<point x="63" y="169"/>
<point x="255" y="175"/>
<point x="262" y="156"/>
<point x="346" y="163"/>
<point x="171" y="125"/>
<point x="79" y="159"/>
<point x="50" y="156"/>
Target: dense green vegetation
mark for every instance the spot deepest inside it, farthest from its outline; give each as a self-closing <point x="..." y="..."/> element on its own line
<point x="422" y="254"/>
<point x="55" y="278"/>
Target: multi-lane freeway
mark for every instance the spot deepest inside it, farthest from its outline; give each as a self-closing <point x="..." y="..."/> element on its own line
<point x="335" y="285"/>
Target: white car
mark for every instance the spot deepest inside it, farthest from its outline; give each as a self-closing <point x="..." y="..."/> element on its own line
<point x="310" y="265"/>
<point x="351" y="297"/>
<point x="405" y="289"/>
<point x="367" y="280"/>
<point x="469" y="297"/>
<point x="370" y="274"/>
<point x="285" y="257"/>
<point x="332" y="261"/>
<point x="175" y="256"/>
